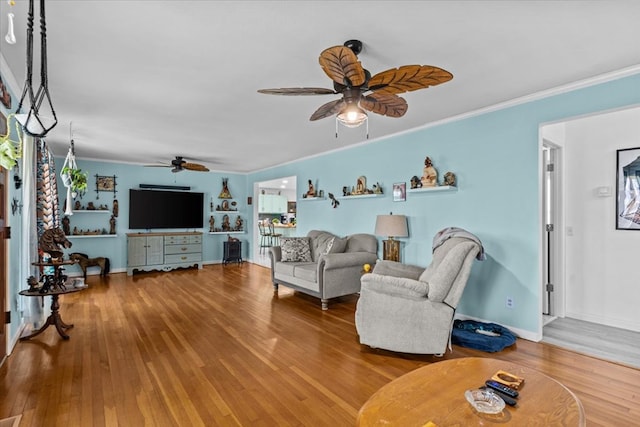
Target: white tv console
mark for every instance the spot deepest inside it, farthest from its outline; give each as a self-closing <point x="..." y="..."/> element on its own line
<point x="163" y="251"/>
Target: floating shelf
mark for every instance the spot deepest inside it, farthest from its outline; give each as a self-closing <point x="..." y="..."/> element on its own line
<point x="360" y="196"/>
<point x="310" y="199"/>
<point x="87" y="236"/>
<point x="440" y="188"/>
<point x="91" y="211"/>
<point x="225" y="212"/>
<point x="226" y="232"/>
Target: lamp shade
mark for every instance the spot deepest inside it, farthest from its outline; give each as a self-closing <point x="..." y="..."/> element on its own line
<point x="392" y="226"/>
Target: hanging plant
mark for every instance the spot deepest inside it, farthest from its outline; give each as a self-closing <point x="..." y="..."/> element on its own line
<point x="76" y="180"/>
<point x="10" y="151"/>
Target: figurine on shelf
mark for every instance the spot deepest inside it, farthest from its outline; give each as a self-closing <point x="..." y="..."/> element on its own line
<point x="225" y="193"/>
<point x="238" y="224"/>
<point x="33" y="284"/>
<point x="77" y="206"/>
<point x="116" y="208"/>
<point x="345" y="191"/>
<point x="429" y="175"/>
<point x="415" y="182"/>
<point x="226" y="226"/>
<point x="311" y="192"/>
<point x="90" y="206"/>
<point x="112" y="225"/>
<point x="66" y="225"/>
<point x="450" y="179"/>
<point x="377" y="188"/>
<point x="361" y="186"/>
<point x="212" y="221"/>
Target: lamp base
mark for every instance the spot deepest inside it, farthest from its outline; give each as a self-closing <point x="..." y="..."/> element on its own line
<point x="391" y="250"/>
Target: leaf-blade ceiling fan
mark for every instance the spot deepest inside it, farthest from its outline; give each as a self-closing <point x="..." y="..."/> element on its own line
<point x="361" y="91"/>
<point x="179" y="164"/>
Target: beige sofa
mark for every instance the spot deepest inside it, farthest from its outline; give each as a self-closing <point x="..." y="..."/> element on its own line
<point x="333" y="266"/>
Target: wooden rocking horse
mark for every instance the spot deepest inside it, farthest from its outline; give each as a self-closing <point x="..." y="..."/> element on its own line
<point x="84" y="262"/>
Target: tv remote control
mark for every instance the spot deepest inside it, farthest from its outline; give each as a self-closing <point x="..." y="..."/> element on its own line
<point x="502" y="388"/>
<point x="507" y="399"/>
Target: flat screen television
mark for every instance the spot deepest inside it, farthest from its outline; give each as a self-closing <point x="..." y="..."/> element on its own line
<point x="150" y="209"/>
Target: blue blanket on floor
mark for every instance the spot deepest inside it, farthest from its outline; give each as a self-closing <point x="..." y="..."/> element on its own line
<point x="489" y="337"/>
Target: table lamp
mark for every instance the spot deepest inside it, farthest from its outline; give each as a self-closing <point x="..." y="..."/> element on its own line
<point x="391" y="226"/>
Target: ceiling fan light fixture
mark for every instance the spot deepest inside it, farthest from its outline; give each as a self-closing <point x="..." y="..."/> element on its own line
<point x="352" y="117"/>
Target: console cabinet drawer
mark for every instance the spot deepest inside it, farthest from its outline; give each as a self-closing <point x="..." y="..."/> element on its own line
<point x="182" y="240"/>
<point x="177" y="258"/>
<point x="182" y="249"/>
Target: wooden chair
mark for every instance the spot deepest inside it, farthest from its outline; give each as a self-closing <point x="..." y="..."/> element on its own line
<point x="275" y="237"/>
<point x="265" y="237"/>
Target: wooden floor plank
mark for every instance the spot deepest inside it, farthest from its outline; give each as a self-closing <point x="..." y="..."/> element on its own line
<point x="217" y="347"/>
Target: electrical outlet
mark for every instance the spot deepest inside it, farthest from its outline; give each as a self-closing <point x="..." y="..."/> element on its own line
<point x="509" y="303"/>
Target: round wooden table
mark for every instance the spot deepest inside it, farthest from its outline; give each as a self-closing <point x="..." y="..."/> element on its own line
<point x="436" y="393"/>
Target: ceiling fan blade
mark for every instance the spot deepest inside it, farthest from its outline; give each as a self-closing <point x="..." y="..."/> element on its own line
<point x="389" y="105"/>
<point x="342" y="66"/>
<point x="328" y="109"/>
<point x="195" y="167"/>
<point x="293" y="91"/>
<point x="408" y="78"/>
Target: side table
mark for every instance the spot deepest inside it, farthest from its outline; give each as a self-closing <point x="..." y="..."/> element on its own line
<point x="54" y="318"/>
<point x="232" y="251"/>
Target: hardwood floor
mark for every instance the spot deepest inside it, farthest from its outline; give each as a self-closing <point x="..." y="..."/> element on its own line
<point x="216" y="347"/>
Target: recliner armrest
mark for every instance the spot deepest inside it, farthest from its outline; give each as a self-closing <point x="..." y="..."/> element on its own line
<point x="396" y="269"/>
<point x="398" y="286"/>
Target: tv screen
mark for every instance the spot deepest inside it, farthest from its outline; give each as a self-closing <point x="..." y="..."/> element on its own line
<point x="165" y="209"/>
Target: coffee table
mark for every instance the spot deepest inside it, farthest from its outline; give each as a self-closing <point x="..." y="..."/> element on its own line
<point x="436" y="393"/>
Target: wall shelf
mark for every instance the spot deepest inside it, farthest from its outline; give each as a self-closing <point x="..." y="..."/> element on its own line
<point x="360" y="196"/>
<point x="225" y="212"/>
<point x="226" y="232"/>
<point x="311" y="199"/>
<point x="103" y="211"/>
<point x="87" y="236"/>
<point x="440" y="188"/>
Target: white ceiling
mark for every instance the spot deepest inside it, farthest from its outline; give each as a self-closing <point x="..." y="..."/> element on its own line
<point x="143" y="81"/>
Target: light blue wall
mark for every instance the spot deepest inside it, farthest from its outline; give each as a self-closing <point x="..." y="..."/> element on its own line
<point x="130" y="176"/>
<point x="495" y="157"/>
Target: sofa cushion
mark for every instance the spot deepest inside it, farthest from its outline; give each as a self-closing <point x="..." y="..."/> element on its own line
<point x="338" y="245"/>
<point x="295" y="249"/>
<point x="306" y="271"/>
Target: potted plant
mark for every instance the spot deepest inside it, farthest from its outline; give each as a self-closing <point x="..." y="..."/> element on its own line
<point x="76" y="179"/>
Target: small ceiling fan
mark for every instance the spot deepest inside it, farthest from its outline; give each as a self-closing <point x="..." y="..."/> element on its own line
<point x="360" y="91"/>
<point x="179" y="164"/>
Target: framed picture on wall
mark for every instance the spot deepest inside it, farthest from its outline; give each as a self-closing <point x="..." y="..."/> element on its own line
<point x="399" y="191"/>
<point x="628" y="189"/>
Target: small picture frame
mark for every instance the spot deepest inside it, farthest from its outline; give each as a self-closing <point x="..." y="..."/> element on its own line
<point x="400" y="192"/>
<point x="628" y="189"/>
<point x="105" y="183"/>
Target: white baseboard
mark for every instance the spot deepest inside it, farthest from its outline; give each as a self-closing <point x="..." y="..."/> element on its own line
<point x="604" y="320"/>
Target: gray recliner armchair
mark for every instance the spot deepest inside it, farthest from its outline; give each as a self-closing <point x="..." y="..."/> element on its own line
<point x="410" y="309"/>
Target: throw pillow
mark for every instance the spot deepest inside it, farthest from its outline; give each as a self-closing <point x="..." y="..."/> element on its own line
<point x="329" y="245"/>
<point x="295" y="249"/>
<point x="338" y="245"/>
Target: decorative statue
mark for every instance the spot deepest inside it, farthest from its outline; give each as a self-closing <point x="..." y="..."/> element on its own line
<point x="226" y="226"/>
<point x="361" y="185"/>
<point x="225" y="193"/>
<point x="345" y="191"/>
<point x="116" y="208"/>
<point x="212" y="221"/>
<point x="311" y="192"/>
<point x="33" y="284"/>
<point x="238" y="223"/>
<point x="415" y="182"/>
<point x="450" y="179"/>
<point x="112" y="225"/>
<point x="52" y="241"/>
<point x="77" y="206"/>
<point x="334" y="201"/>
<point x="84" y="262"/>
<point x="429" y="174"/>
<point x="66" y="225"/>
<point x="90" y="206"/>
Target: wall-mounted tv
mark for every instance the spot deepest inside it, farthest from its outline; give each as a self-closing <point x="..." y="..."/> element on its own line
<point x="150" y="209"/>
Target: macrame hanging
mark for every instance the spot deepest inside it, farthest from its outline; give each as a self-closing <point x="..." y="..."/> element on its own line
<point x="69" y="164"/>
<point x="33" y="122"/>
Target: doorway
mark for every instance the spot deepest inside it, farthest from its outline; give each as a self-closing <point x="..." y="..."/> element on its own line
<point x="552" y="284"/>
<point x="275" y="201"/>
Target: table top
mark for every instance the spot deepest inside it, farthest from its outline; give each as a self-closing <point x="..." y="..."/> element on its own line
<point x="55" y="263"/>
<point x="436" y="393"/>
<point x="56" y="291"/>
